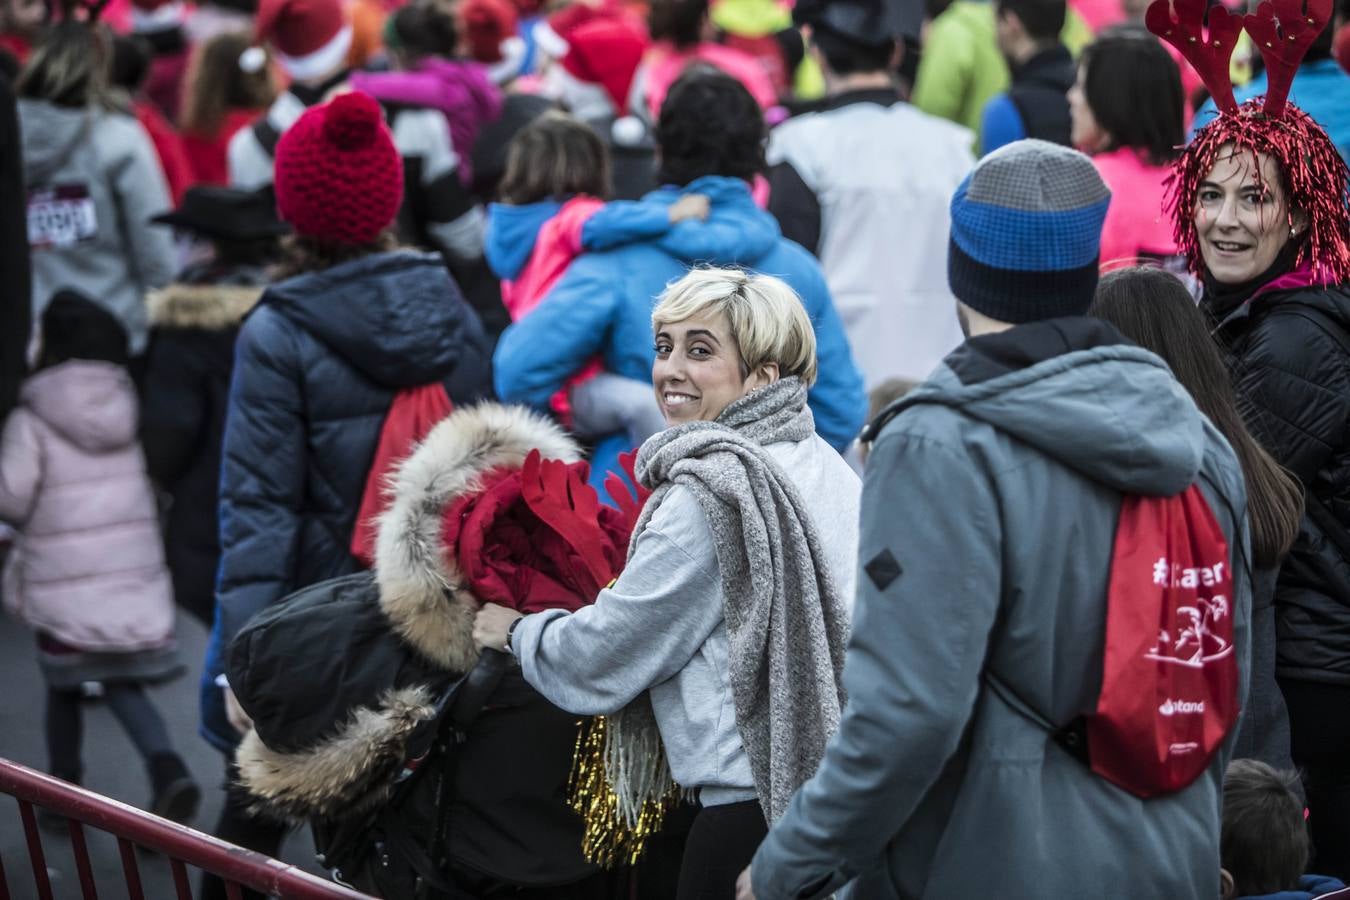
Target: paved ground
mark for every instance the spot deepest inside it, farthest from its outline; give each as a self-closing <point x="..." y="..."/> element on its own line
<point x="112" y="767"/>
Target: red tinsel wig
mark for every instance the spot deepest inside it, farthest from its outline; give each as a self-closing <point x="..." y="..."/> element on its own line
<point x="1313" y="178"/>
<point x="1313" y="175"/>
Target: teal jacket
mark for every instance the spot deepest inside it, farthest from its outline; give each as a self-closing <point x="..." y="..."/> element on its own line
<point x="989" y="512"/>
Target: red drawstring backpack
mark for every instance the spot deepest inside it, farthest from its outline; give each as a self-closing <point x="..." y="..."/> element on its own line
<point x="1169" y="692"/>
<point x="413" y="413"/>
<point x="1169" y="676"/>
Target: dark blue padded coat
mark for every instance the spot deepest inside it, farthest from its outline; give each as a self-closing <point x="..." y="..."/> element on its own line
<point x="316" y="367"/>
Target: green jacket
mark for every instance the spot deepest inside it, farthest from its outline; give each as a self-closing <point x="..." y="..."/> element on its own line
<point x="962" y="68"/>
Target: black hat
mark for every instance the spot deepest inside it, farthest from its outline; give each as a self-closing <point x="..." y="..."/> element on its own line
<point x="864" y="22"/>
<point x="227" y="214"/>
<point x="75" y="327"/>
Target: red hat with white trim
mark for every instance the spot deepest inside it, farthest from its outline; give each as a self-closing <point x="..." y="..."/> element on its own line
<point x="310" y="37"/>
<point x="606" y="51"/>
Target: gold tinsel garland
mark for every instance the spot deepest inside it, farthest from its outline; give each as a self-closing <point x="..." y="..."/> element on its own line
<point x="608" y="840"/>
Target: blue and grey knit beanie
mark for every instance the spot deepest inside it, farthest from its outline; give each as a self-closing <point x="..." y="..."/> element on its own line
<point x="1026" y="233"/>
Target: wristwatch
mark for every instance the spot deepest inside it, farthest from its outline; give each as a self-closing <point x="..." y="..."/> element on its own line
<point x="510" y="630"/>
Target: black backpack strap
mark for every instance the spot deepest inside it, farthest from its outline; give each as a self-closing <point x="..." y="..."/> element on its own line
<point x="1072" y="738"/>
<point x="267" y="135"/>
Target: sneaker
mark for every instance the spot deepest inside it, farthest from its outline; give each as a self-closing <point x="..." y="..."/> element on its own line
<point x="176" y="796"/>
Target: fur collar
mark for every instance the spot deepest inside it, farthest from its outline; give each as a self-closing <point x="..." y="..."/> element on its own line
<point x="353" y="771"/>
<point x="419" y="590"/>
<point x="212" y="307"/>
<point x="344" y="776"/>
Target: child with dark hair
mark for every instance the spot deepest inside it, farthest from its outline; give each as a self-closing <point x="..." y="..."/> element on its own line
<point x="1264" y="845"/>
<point x="87" y="567"/>
<point x="553" y="209"/>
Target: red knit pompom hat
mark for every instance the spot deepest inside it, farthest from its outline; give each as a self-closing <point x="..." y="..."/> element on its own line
<point x="338" y="175"/>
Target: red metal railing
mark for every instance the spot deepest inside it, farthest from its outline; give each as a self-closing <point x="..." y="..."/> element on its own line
<point x="237" y="867"/>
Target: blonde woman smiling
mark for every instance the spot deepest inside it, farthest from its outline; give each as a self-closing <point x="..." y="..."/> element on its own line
<point x="725" y="634"/>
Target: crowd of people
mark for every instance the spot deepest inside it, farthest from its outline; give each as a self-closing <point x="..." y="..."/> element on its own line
<point x="696" y="448"/>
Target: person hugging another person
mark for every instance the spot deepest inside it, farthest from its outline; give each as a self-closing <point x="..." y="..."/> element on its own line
<point x="1265" y="846"/>
<point x="552" y="210"/>
<point x="717" y="653"/>
<point x="87" y="567"/>
<point x="711" y="137"/>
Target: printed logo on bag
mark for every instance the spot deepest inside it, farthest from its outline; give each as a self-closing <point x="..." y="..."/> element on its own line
<point x="61" y="216"/>
<point x="1200" y="635"/>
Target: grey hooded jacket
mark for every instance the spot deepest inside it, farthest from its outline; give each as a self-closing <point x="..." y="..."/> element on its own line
<point x="94" y="183"/>
<point x="989" y="513"/>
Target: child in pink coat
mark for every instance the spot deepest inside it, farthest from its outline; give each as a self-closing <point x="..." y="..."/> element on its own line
<point x="557" y="171"/>
<point x="87" y="569"/>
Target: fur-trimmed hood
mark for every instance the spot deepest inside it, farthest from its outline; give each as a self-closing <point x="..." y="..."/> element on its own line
<point x="210" y="307"/>
<point x="430" y="611"/>
<point x="420" y="590"/>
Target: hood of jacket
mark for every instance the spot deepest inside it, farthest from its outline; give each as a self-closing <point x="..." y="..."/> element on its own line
<point x="1079" y="392"/>
<point x="1309" y="886"/>
<point x="209" y="307"/>
<point x="736" y="232"/>
<point x="51" y="134"/>
<point x="420" y="590"/>
<point x="397" y="317"/>
<point x="92" y="404"/>
<point x="512" y="232"/>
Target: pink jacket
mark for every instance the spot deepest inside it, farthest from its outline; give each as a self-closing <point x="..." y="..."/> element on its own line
<point x="664" y="64"/>
<point x="559" y="243"/>
<point x="87" y="565"/>
<point x="1136" y="224"/>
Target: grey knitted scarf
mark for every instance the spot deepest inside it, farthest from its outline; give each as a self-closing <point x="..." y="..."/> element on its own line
<point x="787" y="622"/>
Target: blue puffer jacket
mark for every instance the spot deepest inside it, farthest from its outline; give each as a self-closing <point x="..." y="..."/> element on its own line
<point x="316" y="367"/>
<point x="604" y="303"/>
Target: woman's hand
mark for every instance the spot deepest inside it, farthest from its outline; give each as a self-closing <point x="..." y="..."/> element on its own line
<point x="491" y="624"/>
<point x="238" y="719"/>
<point x="744" y="889"/>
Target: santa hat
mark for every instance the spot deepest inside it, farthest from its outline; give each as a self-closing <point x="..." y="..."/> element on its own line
<point x="338" y="176"/>
<point x="310" y="37"/>
<point x="606" y="52"/>
<point x="550" y="34"/>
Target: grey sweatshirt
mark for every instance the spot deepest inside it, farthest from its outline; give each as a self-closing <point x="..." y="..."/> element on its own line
<point x="94" y="183"/>
<point x="660" y="627"/>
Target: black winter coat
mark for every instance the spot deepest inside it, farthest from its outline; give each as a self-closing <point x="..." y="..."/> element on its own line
<point x="1290" y="355"/>
<point x="193" y="327"/>
<point x="316" y="367"/>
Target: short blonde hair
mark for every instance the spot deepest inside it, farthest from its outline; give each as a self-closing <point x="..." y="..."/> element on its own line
<point x="767" y="319"/>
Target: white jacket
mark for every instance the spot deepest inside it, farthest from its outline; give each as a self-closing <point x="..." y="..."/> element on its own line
<point x="883" y="176"/>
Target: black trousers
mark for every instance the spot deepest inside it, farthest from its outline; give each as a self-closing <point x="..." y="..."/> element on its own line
<point x="242" y="828"/>
<point x="1319" y="722"/>
<point x="720" y="845"/>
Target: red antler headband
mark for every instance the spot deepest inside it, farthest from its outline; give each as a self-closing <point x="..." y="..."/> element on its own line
<point x="1314" y="175"/>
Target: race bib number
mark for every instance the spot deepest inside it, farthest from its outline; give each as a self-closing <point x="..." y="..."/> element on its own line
<point x="61" y="216"/>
